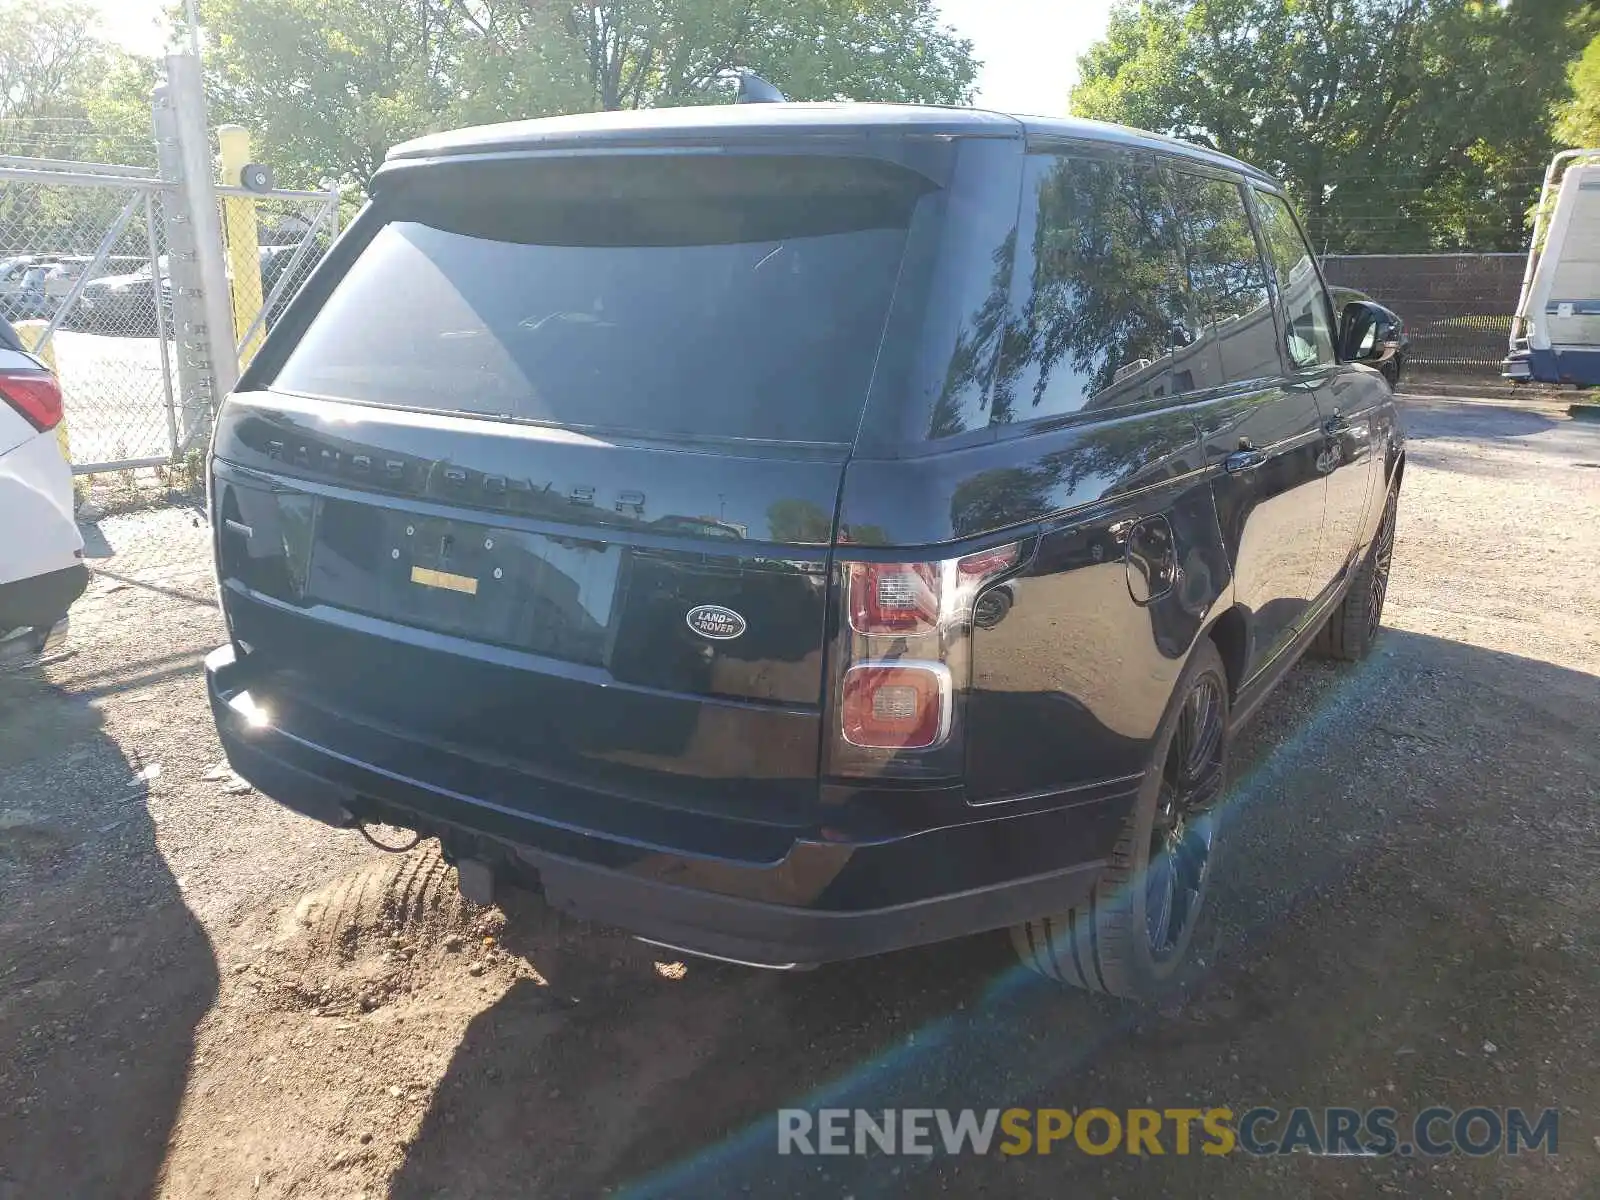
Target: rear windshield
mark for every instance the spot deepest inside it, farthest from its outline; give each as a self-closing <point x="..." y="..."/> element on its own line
<point x="707" y="299"/>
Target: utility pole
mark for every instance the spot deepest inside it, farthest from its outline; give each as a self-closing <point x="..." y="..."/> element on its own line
<point x="194" y="31"/>
<point x="208" y="364"/>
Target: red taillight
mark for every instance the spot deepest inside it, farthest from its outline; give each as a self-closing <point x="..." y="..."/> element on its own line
<point x="897" y="705"/>
<point x="893" y="598"/>
<point x="975" y="568"/>
<point x="903" y="660"/>
<point x="34" y="394"/>
<point x="897" y="599"/>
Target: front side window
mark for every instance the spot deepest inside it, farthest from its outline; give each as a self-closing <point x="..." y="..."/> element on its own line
<point x="1098" y="313"/>
<point x="1309" y="329"/>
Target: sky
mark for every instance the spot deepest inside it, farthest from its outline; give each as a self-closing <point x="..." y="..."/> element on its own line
<point x="1029" y="48"/>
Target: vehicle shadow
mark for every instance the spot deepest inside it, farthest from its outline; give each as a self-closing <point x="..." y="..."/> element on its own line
<point x="1346" y="966"/>
<point x="1464" y="420"/>
<point x="104" y="971"/>
<point x="95" y="545"/>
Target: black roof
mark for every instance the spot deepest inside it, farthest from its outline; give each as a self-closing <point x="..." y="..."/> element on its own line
<point x="754" y="122"/>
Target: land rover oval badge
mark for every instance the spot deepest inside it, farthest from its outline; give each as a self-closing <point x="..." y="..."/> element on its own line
<point x="715" y="622"/>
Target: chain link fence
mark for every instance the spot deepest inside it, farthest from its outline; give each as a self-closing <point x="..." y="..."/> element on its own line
<point x="1457" y="307"/>
<point x="285" y="234"/>
<point x="80" y="277"/>
<point x="85" y="279"/>
<point x="89" y="280"/>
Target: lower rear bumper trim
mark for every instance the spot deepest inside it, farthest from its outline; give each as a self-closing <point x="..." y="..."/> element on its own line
<point x="780" y="916"/>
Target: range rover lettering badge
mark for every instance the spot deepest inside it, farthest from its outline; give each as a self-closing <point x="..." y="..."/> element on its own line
<point x="715" y="622"/>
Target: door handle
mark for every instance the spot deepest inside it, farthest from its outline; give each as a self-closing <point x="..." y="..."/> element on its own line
<point x="1241" y="461"/>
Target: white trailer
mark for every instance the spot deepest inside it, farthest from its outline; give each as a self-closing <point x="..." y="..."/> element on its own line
<point x="1555" y="332"/>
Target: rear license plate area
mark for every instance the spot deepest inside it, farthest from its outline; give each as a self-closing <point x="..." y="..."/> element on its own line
<point x="451" y="576"/>
<point x="543" y="594"/>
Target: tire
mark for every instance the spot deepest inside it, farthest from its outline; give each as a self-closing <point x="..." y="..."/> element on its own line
<point x="1116" y="941"/>
<point x="1352" y="627"/>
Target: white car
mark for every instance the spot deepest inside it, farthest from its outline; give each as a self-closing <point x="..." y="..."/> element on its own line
<point x="41" y="551"/>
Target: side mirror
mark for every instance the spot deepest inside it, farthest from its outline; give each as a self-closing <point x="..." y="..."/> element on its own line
<point x="1368" y="333"/>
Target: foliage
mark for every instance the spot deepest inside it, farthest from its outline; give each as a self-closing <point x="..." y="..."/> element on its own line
<point x="1413" y="126"/>
<point x="654" y="52"/>
<point x="52" y="73"/>
<point x="330" y="85"/>
<point x="47" y="58"/>
<point x="58" y="86"/>
<point x="1578" y="117"/>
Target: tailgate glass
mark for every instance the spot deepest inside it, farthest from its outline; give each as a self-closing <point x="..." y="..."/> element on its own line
<point x="700" y="298"/>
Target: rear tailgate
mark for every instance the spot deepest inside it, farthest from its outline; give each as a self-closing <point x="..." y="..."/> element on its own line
<point x="553" y="484"/>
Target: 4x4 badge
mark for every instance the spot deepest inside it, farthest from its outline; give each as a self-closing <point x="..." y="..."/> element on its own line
<point x="715" y="622"/>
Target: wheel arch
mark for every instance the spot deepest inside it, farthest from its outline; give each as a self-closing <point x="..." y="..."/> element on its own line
<point x="1229" y="632"/>
<point x="1395" y="468"/>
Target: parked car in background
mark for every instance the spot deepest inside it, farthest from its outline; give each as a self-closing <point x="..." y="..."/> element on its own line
<point x="122" y="304"/>
<point x="34" y="286"/>
<point x="41" y="551"/>
<point x="126" y="304"/>
<point x="23" y="294"/>
<point x="11" y="268"/>
<point x="1390" y="329"/>
<point x="796" y="532"/>
<point x="66" y="271"/>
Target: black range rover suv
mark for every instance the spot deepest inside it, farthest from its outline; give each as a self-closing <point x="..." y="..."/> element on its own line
<point x="794" y="532"/>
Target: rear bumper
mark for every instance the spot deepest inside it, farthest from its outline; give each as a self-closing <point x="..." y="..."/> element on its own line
<point x="1578" y="365"/>
<point x="822" y="900"/>
<point x="41" y="601"/>
<point x="1517" y="366"/>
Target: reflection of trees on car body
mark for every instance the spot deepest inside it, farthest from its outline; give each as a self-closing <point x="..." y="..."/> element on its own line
<point x="1103" y="303"/>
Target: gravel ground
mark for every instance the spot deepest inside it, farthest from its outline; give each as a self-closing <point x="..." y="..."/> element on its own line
<point x="203" y="995"/>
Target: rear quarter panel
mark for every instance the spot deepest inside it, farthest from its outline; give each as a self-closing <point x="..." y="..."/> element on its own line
<point x="1070" y="685"/>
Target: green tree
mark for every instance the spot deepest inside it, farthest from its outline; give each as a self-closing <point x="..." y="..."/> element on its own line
<point x="1578" y="117"/>
<point x="327" y="86"/>
<point x="51" y="70"/>
<point x="641" y="53"/>
<point x="54" y="81"/>
<point x="330" y="85"/>
<point x="1416" y="125"/>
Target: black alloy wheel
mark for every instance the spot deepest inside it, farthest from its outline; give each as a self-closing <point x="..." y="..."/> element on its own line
<point x="1184" y="831"/>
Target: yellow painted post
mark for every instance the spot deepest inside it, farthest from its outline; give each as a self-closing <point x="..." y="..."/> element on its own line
<point x="30" y="332"/>
<point x="239" y="228"/>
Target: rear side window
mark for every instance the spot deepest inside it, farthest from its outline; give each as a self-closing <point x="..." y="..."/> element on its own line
<point x="1229" y="283"/>
<point x="740" y="300"/>
<point x="1101" y="307"/>
<point x="1309" y="328"/>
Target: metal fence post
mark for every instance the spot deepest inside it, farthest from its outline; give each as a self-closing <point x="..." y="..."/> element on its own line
<point x="202" y="313"/>
<point x="177" y="289"/>
<point x="157" y="282"/>
<point x="243" y="241"/>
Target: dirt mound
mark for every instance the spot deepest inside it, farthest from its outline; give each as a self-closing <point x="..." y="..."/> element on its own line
<point x="364" y="939"/>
